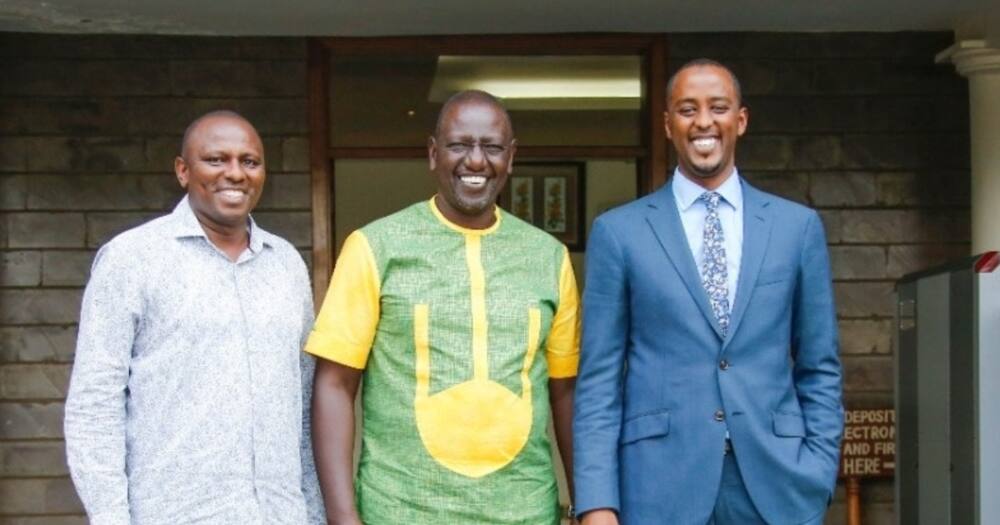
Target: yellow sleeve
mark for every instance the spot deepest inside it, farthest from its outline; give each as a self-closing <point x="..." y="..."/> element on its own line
<point x="562" y="351"/>
<point x="345" y="327"/>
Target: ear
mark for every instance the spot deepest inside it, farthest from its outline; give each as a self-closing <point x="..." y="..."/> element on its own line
<point x="510" y="161"/>
<point x="431" y="153"/>
<point x="666" y="123"/>
<point x="181" y="171"/>
<point x="744" y="120"/>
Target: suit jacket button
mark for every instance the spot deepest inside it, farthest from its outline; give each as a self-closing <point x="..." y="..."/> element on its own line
<point x="720" y="415"/>
<point x="724" y="365"/>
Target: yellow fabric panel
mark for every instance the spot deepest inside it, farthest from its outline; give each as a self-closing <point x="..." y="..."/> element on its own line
<point x="346" y="324"/>
<point x="562" y="351"/>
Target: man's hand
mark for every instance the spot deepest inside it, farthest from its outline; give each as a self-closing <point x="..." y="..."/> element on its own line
<point x="600" y="517"/>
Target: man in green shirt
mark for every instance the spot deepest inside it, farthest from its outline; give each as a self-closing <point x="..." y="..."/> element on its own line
<point x="446" y="309"/>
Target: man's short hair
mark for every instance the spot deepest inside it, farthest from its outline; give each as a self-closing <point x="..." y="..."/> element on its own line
<point x="211" y="114"/>
<point x="706" y="62"/>
<point x="473" y="96"/>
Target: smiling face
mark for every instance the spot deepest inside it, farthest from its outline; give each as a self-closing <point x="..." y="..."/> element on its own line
<point x="222" y="169"/>
<point x="471" y="156"/>
<point x="704" y="119"/>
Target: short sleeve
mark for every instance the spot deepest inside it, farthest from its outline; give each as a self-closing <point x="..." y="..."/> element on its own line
<point x="346" y="324"/>
<point x="562" y="352"/>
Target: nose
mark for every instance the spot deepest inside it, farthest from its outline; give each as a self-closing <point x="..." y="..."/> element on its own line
<point x="703" y="119"/>
<point x="475" y="160"/>
<point x="234" y="170"/>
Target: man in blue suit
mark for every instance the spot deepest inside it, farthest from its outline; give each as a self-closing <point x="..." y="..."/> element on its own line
<point x="710" y="385"/>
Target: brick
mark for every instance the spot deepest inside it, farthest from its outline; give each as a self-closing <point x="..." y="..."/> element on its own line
<point x="34" y="344"/>
<point x="792" y="186"/>
<point x="295" y="227"/>
<point x="866" y="337"/>
<point x="905" y="152"/>
<point x="858" y="262"/>
<point x="61" y="78"/>
<point x="102" y="227"/>
<point x="832" y="224"/>
<point x="286" y="191"/>
<point x="63" y="116"/>
<point x="45" y="230"/>
<point x="916" y="257"/>
<point x="757" y="77"/>
<point x="66" y="268"/>
<point x="39" y="306"/>
<point x="938" y="188"/>
<point x="764" y="152"/>
<point x="237" y="78"/>
<point x="32" y="459"/>
<point x="161" y="152"/>
<point x="103" y="192"/>
<point x="939" y="113"/>
<point x="13" y="154"/>
<point x="30" y="421"/>
<point x="864" y="299"/>
<point x="819" y="152"/>
<point x="867" y="373"/>
<point x="843" y="189"/>
<point x="295" y="154"/>
<point x="769" y="114"/>
<point x="847" y="76"/>
<point x="271" y="116"/>
<point x="862" y="113"/>
<point x="919" y="77"/>
<point x="13" y="192"/>
<point x="34" y="381"/>
<point x="101" y="154"/>
<point x="39" y="496"/>
<point x="904" y="226"/>
<point x="20" y="268"/>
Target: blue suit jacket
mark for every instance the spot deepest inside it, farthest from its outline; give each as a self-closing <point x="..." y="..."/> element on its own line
<point x="647" y="440"/>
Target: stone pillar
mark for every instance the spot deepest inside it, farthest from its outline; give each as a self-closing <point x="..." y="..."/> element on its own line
<point x="981" y="65"/>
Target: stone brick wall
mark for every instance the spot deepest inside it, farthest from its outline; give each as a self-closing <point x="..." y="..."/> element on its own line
<point x="862" y="126"/>
<point x="868" y="130"/>
<point x="89" y="127"/>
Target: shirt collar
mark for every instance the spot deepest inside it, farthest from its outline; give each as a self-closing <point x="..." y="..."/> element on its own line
<point x="186" y="225"/>
<point x="686" y="193"/>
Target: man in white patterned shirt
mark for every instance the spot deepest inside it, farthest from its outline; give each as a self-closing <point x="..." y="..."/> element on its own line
<point x="189" y="401"/>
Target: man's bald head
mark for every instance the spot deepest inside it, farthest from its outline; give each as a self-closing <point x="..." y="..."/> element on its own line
<point x="224" y="114"/>
<point x="472" y="96"/>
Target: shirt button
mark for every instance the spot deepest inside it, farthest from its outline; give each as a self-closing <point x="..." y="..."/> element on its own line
<point x="720" y="415"/>
<point x="724" y="365"/>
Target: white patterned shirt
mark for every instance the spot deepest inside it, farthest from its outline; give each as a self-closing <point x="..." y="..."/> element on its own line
<point x="189" y="401"/>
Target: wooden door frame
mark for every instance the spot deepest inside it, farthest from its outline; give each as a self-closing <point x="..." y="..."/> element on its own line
<point x="652" y="154"/>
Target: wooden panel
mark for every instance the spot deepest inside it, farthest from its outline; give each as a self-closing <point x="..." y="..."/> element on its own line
<point x="560" y="44"/>
<point x="657" y="104"/>
<point x="320" y="167"/>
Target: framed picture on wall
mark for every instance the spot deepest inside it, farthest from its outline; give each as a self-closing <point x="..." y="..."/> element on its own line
<point x="551" y="196"/>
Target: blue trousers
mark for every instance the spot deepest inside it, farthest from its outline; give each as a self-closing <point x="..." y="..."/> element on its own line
<point x="733" y="505"/>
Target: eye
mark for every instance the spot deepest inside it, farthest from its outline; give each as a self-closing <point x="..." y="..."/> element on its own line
<point x="720" y="108"/>
<point x="493" y="149"/>
<point x="459" y="147"/>
<point x="686" y="111"/>
<point x="213" y="159"/>
<point x="251" y="163"/>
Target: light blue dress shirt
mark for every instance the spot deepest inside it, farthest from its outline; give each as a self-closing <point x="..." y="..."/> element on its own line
<point x="693" y="214"/>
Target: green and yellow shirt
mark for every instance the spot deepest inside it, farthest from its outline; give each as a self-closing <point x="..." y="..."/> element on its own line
<point x="447" y="323"/>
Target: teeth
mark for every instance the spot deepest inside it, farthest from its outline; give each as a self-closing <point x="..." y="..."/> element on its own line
<point x="475" y="181"/>
<point x="232" y="194"/>
<point x="705" y="144"/>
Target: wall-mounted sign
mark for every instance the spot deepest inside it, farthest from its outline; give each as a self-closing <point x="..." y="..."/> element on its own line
<point x="868" y="449"/>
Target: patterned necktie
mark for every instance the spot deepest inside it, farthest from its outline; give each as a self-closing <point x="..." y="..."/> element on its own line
<point x="714" y="276"/>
